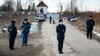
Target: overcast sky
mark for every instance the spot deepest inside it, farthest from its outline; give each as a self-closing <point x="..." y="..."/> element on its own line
<point x="90" y="5"/>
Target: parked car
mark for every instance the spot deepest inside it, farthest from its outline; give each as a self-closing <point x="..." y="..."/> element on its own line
<point x="2" y="15"/>
<point x="40" y="18"/>
<point x="73" y="18"/>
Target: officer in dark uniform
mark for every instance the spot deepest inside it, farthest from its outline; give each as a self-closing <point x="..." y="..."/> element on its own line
<point x="50" y="19"/>
<point x="89" y="25"/>
<point x="60" y="29"/>
<point x="12" y="34"/>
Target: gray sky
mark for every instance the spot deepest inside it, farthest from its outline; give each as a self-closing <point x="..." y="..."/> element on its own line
<point x="90" y="5"/>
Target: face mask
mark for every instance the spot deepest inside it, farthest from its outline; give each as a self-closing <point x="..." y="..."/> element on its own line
<point x="25" y="21"/>
<point x="61" y="23"/>
<point x="90" y="18"/>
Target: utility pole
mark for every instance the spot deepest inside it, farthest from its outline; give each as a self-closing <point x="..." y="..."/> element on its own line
<point x="73" y="5"/>
<point x="61" y="8"/>
<point x="18" y="5"/>
<point x="81" y="5"/>
<point x="11" y="8"/>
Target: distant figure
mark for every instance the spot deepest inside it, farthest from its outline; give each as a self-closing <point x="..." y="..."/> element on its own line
<point x="89" y="25"/>
<point x="50" y="19"/>
<point x="25" y="32"/>
<point x="12" y="34"/>
<point x="53" y="21"/>
<point x="60" y="29"/>
<point x="41" y="10"/>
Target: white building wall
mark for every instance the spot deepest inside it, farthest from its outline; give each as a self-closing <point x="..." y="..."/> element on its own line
<point x="54" y="16"/>
<point x="45" y="10"/>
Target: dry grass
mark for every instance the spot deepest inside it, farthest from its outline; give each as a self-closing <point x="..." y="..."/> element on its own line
<point x="81" y="25"/>
<point x="19" y="19"/>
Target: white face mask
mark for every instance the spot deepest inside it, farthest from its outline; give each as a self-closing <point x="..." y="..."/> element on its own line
<point x="90" y="18"/>
<point x="25" y="21"/>
<point x="61" y="23"/>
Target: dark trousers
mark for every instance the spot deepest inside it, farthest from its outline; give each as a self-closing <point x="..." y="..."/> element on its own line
<point x="89" y="34"/>
<point x="50" y="21"/>
<point x="24" y="39"/>
<point x="11" y="42"/>
<point x="60" y="45"/>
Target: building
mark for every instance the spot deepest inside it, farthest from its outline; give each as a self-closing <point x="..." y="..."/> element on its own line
<point x="42" y="8"/>
<point x="53" y="15"/>
<point x="42" y="11"/>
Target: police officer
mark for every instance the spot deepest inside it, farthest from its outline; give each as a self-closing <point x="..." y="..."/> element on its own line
<point x="60" y="29"/>
<point x="12" y="34"/>
<point x="89" y="25"/>
<point x="50" y="19"/>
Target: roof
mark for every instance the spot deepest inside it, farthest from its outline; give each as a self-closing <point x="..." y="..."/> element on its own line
<point x="42" y="4"/>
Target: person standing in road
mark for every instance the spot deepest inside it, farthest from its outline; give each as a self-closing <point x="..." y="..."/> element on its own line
<point x="25" y="32"/>
<point x="12" y="34"/>
<point x="89" y="25"/>
<point x="50" y="19"/>
<point x="60" y="30"/>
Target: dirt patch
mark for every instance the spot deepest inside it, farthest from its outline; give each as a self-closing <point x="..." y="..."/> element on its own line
<point x="34" y="47"/>
<point x="25" y="51"/>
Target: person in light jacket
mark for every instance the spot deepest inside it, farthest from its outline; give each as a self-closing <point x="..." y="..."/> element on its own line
<point x="25" y="32"/>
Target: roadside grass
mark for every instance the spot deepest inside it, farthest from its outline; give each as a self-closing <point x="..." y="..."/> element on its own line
<point x="81" y="25"/>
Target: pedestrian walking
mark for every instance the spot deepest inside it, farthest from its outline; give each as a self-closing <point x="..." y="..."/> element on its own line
<point x="25" y="32"/>
<point x="60" y="30"/>
<point x="50" y="19"/>
<point x="12" y="34"/>
<point x="89" y="26"/>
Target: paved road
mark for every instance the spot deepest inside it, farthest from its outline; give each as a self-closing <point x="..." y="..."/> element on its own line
<point x="75" y="44"/>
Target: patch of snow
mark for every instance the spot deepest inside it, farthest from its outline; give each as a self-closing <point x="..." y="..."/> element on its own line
<point x="98" y="34"/>
<point x="19" y="32"/>
<point x="5" y="29"/>
<point x="34" y="27"/>
<point x="0" y="31"/>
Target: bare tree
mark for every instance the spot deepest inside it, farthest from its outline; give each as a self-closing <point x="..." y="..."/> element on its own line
<point x="29" y="8"/>
<point x="33" y="7"/>
<point x="9" y="6"/>
<point x="19" y="6"/>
